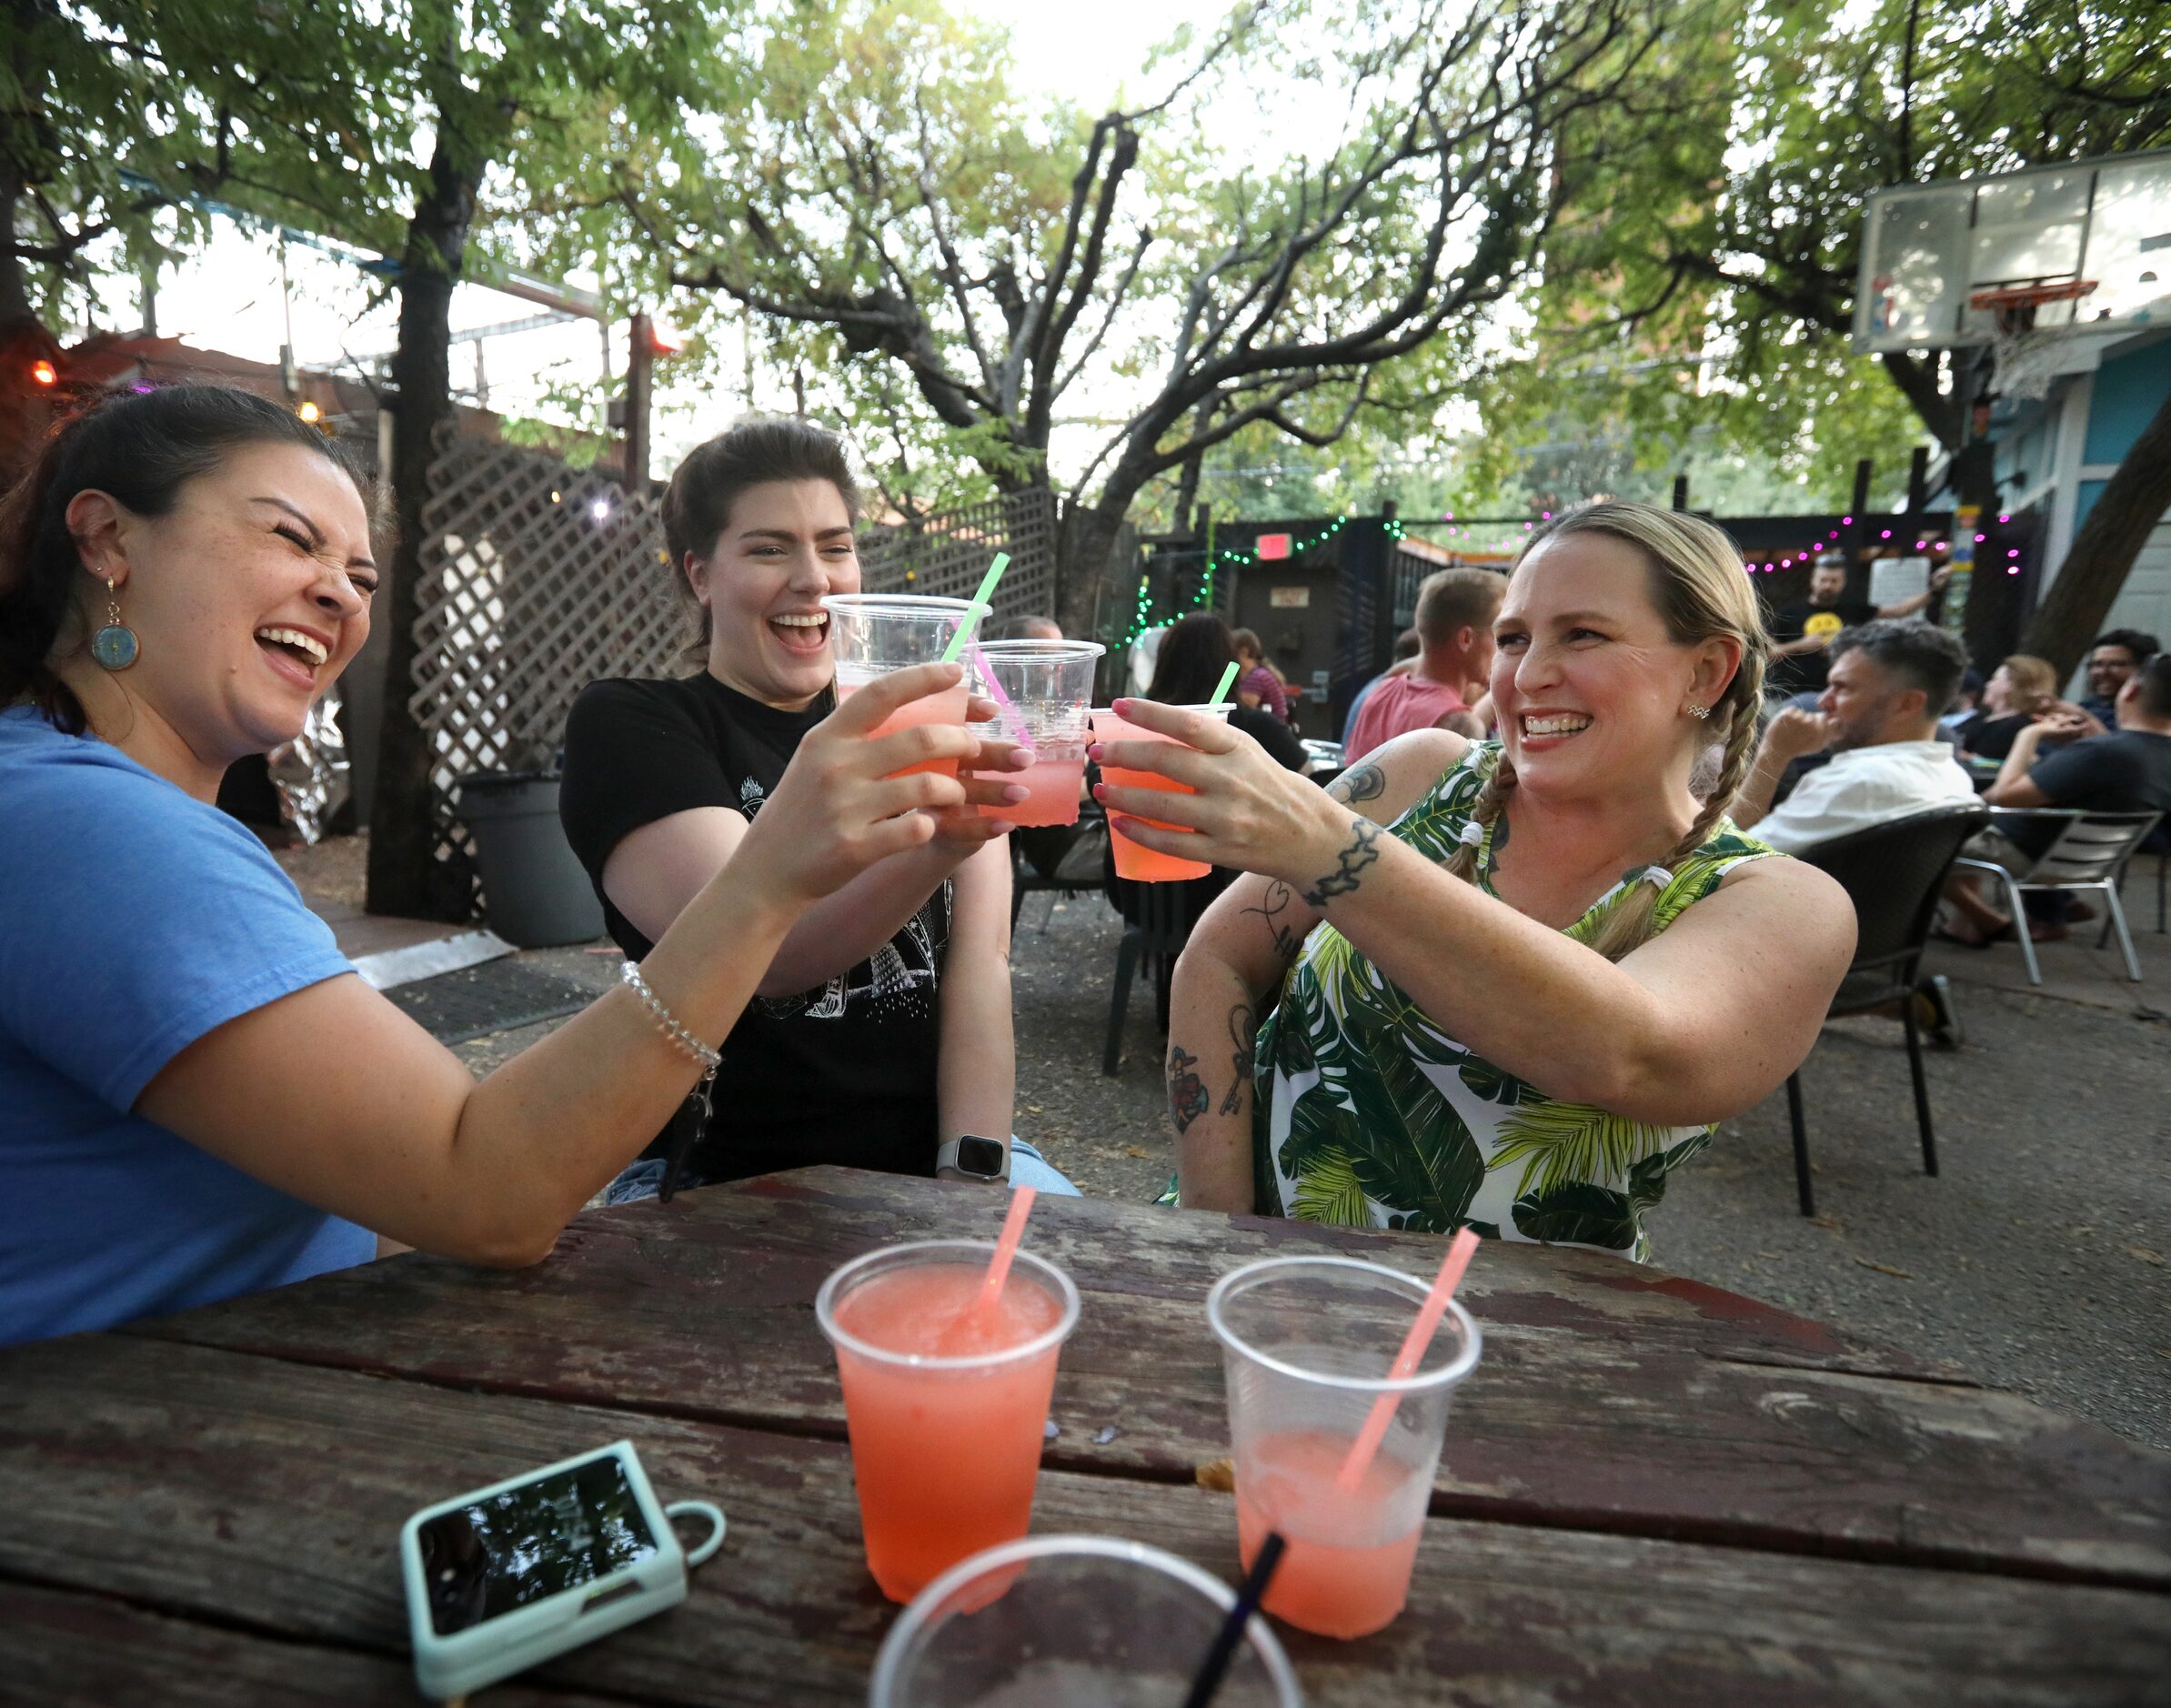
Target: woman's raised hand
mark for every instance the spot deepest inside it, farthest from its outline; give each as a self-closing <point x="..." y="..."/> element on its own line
<point x="1248" y="812"/>
<point x="840" y="805"/>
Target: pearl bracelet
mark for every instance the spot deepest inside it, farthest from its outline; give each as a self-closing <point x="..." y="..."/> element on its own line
<point x="629" y="975"/>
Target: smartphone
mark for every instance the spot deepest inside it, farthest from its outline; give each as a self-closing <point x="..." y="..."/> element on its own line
<point x="501" y="1578"/>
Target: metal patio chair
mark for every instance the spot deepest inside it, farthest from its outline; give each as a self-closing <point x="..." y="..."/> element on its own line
<point x="2089" y="852"/>
<point x="1892" y="873"/>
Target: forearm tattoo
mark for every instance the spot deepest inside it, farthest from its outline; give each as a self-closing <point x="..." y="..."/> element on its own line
<point x="1365" y="781"/>
<point x="1244" y="1032"/>
<point x="1271" y="908"/>
<point x="1350" y="864"/>
<point x="1187" y="1096"/>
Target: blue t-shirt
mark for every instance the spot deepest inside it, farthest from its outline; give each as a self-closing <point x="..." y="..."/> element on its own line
<point x="133" y="920"/>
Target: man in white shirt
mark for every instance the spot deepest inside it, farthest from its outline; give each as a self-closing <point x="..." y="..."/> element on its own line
<point x="1889" y="683"/>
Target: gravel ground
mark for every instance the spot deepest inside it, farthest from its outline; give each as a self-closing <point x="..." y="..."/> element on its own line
<point x="2036" y="1262"/>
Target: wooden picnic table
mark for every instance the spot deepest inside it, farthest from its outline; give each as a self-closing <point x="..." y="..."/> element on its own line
<point x="1654" y="1490"/>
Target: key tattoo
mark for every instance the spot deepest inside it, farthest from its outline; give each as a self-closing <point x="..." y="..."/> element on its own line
<point x="1350" y="864"/>
<point x="1187" y="1096"/>
<point x="1244" y="1032"/>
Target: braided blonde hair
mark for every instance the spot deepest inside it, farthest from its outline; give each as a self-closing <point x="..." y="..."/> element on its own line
<point x="1700" y="590"/>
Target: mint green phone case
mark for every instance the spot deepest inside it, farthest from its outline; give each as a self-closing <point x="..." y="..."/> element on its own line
<point x="463" y="1661"/>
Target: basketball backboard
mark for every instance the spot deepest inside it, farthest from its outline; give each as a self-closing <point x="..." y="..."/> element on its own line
<point x="1928" y="248"/>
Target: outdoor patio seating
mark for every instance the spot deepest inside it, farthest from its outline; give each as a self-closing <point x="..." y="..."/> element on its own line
<point x="1157" y="922"/>
<point x="2089" y="853"/>
<point x="1892" y="873"/>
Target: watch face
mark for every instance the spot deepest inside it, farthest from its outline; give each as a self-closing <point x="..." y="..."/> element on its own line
<point x="980" y="1156"/>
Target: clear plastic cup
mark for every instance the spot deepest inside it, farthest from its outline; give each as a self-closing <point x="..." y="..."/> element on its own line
<point x="945" y="1443"/>
<point x="872" y="634"/>
<point x="1048" y="685"/>
<point x="1307" y="1343"/>
<point x="1145" y="865"/>
<point x="1073" y="1622"/>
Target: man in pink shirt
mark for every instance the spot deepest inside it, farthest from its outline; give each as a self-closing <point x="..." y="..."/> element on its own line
<point x="1455" y="608"/>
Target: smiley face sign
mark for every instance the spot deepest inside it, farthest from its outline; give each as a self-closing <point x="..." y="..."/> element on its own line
<point x="1822" y="626"/>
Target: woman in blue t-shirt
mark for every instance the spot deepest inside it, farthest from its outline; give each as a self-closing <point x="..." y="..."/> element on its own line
<point x="200" y="1097"/>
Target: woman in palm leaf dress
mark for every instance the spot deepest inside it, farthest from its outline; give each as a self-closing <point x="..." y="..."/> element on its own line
<point x="1508" y="984"/>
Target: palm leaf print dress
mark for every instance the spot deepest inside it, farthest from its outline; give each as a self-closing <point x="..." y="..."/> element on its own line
<point x="1366" y="1113"/>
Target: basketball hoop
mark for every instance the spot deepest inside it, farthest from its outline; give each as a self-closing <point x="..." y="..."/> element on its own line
<point x="2025" y="355"/>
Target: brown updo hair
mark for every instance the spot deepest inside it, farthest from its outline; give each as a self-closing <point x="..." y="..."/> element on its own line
<point x="1697" y="585"/>
<point x="697" y="506"/>
<point x="142" y="447"/>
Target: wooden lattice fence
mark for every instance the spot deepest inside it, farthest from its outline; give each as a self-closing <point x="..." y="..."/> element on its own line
<point x="541" y="578"/>
<point x="945" y="556"/>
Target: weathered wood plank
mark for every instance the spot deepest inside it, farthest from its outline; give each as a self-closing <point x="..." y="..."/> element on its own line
<point x="268" y="1495"/>
<point x="1610" y="1397"/>
<point x="69" y="1650"/>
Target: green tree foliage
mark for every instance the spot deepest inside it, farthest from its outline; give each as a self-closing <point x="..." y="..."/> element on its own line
<point x="1700" y="284"/>
<point x="888" y="198"/>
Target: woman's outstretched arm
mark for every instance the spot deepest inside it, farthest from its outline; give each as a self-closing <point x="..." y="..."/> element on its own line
<point x="1231" y="969"/>
<point x="335" y="1097"/>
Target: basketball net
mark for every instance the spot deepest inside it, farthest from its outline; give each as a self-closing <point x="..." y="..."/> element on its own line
<point x="2025" y="357"/>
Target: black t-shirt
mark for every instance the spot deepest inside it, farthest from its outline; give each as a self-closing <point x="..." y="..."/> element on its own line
<point x="1992" y="737"/>
<point x="1806" y="672"/>
<point x="842" y="1073"/>
<point x="2128" y="771"/>
<point x="1282" y="743"/>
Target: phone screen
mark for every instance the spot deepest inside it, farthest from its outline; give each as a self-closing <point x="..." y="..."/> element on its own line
<point x="541" y="1539"/>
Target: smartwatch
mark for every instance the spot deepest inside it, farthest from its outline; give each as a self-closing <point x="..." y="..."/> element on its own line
<point x="973" y="1158"/>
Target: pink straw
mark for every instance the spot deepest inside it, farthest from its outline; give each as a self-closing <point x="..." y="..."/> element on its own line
<point x="1006" y="1248"/>
<point x="989" y="1298"/>
<point x="1459" y="1250"/>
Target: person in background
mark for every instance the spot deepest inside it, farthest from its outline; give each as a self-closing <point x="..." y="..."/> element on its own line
<point x="1878" y="719"/>
<point x="880" y="1031"/>
<point x="1802" y="631"/>
<point x="2020" y="690"/>
<point x="2127" y="770"/>
<point x="199" y="1098"/>
<point x="1402" y="660"/>
<point x="1025" y="629"/>
<point x="2114" y="658"/>
<point x="1195" y="654"/>
<point x="1258" y="685"/>
<point x="1455" y="608"/>
<point x="1965" y="709"/>
<point x="1507" y="985"/>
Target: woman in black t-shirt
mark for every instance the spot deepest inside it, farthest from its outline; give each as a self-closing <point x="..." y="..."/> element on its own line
<point x="882" y="1027"/>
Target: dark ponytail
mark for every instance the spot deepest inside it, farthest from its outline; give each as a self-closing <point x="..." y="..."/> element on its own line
<point x="142" y="447"/>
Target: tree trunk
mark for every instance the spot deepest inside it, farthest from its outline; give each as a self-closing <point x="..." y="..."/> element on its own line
<point x="405" y="876"/>
<point x="1086" y="568"/>
<point x="15" y="284"/>
<point x="2134" y="501"/>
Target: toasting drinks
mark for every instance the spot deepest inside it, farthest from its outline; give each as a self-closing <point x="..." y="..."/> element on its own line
<point x="872" y="634"/>
<point x="1044" y="692"/>
<point x="1145" y="865"/>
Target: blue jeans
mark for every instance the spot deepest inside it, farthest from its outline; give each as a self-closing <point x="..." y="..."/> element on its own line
<point x="644" y="1179"/>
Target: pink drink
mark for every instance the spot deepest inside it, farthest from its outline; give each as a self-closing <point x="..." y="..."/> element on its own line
<point x="944" y="1457"/>
<point x="1340" y="1576"/>
<point x="1145" y="865"/>
<point x="1051" y="789"/>
<point x="946" y="708"/>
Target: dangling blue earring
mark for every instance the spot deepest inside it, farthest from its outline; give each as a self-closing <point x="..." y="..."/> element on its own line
<point x="114" y="645"/>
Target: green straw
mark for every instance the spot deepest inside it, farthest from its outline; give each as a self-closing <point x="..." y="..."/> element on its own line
<point x="1227" y="676"/>
<point x="965" y="628"/>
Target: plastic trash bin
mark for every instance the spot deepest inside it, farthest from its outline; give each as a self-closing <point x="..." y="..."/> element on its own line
<point x="535" y="893"/>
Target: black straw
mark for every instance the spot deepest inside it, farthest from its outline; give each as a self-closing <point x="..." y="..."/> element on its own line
<point x="1232" y="1629"/>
